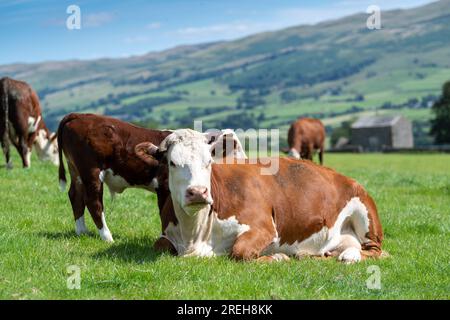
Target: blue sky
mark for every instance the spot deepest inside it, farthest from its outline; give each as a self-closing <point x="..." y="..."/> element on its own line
<point x="32" y="30"/>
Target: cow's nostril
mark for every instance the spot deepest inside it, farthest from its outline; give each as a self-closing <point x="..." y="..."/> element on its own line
<point x="193" y="192"/>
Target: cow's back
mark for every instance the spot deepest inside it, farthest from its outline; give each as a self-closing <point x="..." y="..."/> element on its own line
<point x="302" y="197"/>
<point x="308" y="131"/>
<point x="89" y="140"/>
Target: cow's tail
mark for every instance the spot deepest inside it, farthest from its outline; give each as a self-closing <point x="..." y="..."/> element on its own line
<point x="4" y="109"/>
<point x="62" y="170"/>
<point x="4" y="106"/>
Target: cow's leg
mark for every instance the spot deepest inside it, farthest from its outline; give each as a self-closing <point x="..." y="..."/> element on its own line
<point x="6" y="150"/>
<point x="250" y="244"/>
<point x="321" y="155"/>
<point x="310" y="151"/>
<point x="76" y="195"/>
<point x="164" y="245"/>
<point x="359" y="236"/>
<point x="24" y="152"/>
<point x="94" y="201"/>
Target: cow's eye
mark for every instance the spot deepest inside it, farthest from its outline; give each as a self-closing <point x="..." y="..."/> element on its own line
<point x="172" y="164"/>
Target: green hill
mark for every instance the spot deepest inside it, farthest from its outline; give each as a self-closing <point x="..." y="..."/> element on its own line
<point x="334" y="70"/>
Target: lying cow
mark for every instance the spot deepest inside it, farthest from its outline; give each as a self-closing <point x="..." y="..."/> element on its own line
<point x="100" y="150"/>
<point x="304" y="209"/>
<point x="225" y="147"/>
<point x="304" y="137"/>
<point x="21" y="123"/>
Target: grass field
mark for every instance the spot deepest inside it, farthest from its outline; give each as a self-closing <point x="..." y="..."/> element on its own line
<point x="38" y="243"/>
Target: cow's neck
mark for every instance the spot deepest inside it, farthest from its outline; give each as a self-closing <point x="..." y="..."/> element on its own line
<point x="195" y="230"/>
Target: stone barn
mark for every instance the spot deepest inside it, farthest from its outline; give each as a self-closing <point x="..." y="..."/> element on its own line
<point x="375" y="133"/>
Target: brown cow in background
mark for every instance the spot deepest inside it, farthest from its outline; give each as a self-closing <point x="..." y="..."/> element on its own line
<point x="304" y="137"/>
<point x="21" y="123"/>
<point x="101" y="150"/>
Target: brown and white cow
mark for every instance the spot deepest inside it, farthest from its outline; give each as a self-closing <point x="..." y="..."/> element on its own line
<point x="303" y="209"/>
<point x="99" y="150"/>
<point x="21" y="124"/>
<point x="304" y="137"/>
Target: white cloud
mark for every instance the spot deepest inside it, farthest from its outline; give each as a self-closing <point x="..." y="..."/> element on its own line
<point x="136" y="39"/>
<point x="287" y="17"/>
<point x="96" y="19"/>
<point x="153" y="25"/>
<point x="215" y="29"/>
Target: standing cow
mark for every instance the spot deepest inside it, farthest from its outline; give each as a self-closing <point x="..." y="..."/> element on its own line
<point x="101" y="149"/>
<point x="21" y="123"/>
<point x="304" y="137"/>
<point x="303" y="209"/>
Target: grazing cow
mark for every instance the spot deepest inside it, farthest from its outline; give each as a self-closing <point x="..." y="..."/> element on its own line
<point x="21" y="123"/>
<point x="303" y="209"/>
<point x="304" y="137"/>
<point x="99" y="150"/>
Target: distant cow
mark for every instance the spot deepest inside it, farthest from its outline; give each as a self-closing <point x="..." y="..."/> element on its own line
<point x="21" y="123"/>
<point x="98" y="150"/>
<point x="303" y="209"/>
<point x="304" y="137"/>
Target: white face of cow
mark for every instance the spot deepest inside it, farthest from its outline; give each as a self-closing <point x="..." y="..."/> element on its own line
<point x="47" y="147"/>
<point x="189" y="159"/>
<point x="189" y="155"/>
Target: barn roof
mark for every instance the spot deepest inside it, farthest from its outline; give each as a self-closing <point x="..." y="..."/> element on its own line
<point x="376" y="121"/>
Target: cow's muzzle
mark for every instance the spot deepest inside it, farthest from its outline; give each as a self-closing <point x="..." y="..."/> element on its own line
<point x="197" y="195"/>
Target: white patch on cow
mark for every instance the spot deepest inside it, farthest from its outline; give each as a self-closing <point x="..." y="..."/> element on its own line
<point x="225" y="233"/>
<point x="33" y="124"/>
<point x="101" y="176"/>
<point x="117" y="184"/>
<point x="348" y="231"/>
<point x="293" y="153"/>
<point x="80" y="226"/>
<point x="280" y="257"/>
<point x="189" y="158"/>
<point x="28" y="159"/>
<point x="154" y="184"/>
<point x="46" y="147"/>
<point x="104" y="232"/>
<point x="79" y="181"/>
<point x="213" y="237"/>
<point x="350" y="255"/>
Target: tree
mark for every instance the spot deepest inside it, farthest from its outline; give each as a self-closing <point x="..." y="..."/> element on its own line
<point x="440" y="125"/>
<point x="341" y="132"/>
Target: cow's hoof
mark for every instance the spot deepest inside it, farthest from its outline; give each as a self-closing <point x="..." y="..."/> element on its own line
<point x="164" y="245"/>
<point x="81" y="232"/>
<point x="106" y="235"/>
<point x="350" y="255"/>
<point x="9" y="165"/>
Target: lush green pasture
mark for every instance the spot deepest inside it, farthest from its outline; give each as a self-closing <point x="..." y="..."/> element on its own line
<point x="38" y="243"/>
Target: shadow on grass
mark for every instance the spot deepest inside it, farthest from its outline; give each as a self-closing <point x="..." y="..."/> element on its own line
<point x="58" y="235"/>
<point x="135" y="250"/>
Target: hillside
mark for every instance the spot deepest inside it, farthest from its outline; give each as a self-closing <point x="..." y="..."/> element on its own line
<point x="334" y="70"/>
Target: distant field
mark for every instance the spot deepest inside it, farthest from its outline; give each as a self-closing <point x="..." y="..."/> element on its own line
<point x="38" y="242"/>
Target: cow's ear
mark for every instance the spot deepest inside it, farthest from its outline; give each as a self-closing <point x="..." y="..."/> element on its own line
<point x="212" y="136"/>
<point x="227" y="144"/>
<point x="148" y="152"/>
